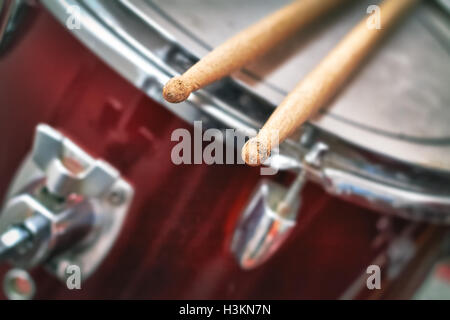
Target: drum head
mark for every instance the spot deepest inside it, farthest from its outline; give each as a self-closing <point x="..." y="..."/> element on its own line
<point x="397" y="104"/>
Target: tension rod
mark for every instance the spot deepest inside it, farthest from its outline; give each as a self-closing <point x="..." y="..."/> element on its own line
<point x="284" y="207"/>
<point x="12" y="239"/>
<point x="20" y="237"/>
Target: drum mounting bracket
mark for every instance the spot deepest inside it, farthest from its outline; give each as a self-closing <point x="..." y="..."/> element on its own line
<point x="64" y="208"/>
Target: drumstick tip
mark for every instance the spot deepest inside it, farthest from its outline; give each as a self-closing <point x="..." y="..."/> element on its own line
<point x="255" y="152"/>
<point x="176" y="90"/>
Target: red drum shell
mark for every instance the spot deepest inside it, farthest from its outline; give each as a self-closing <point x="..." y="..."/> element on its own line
<point x="175" y="243"/>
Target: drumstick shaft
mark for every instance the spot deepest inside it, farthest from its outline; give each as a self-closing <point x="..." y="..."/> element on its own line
<point x="246" y="46"/>
<point x="322" y="83"/>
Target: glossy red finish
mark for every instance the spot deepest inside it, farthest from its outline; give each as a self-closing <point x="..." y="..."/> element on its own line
<point x="175" y="242"/>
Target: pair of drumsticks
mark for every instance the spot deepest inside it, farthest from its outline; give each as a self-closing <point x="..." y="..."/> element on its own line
<point x="313" y="92"/>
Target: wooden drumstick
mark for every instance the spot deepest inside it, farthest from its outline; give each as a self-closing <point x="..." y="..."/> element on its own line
<point x="322" y="83"/>
<point x="246" y="46"/>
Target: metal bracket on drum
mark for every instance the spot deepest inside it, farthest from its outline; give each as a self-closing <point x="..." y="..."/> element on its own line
<point x="270" y="216"/>
<point x="64" y="209"/>
<point x="262" y="228"/>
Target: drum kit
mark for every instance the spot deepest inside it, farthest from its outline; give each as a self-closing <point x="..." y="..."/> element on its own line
<point x="362" y="176"/>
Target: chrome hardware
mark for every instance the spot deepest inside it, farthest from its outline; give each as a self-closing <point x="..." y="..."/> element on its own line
<point x="271" y="215"/>
<point x="399" y="254"/>
<point x="96" y="176"/>
<point x="262" y="229"/>
<point x="392" y="259"/>
<point x="19" y="285"/>
<point x="12" y="239"/>
<point x="10" y="12"/>
<point x="313" y="157"/>
<point x="445" y="4"/>
<point x="49" y="226"/>
<point x="63" y="207"/>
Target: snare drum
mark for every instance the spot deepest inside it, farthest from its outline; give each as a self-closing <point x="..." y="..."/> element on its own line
<point x="85" y="128"/>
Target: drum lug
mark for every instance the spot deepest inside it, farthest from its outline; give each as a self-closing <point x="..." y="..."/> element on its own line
<point x="270" y="215"/>
<point x="314" y="157"/>
<point x="63" y="208"/>
<point x="262" y="229"/>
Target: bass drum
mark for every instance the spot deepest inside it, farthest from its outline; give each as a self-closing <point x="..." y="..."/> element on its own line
<point x="84" y="128"/>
